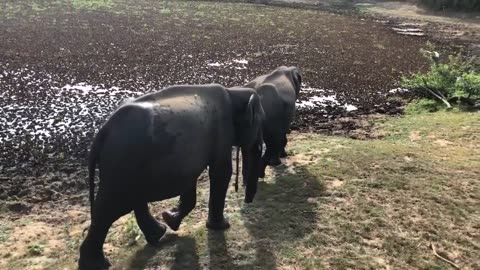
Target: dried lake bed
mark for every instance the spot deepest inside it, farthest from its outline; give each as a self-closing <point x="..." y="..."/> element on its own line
<point x="64" y="67"/>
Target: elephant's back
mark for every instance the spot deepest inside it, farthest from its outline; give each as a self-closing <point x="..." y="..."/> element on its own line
<point x="185" y="127"/>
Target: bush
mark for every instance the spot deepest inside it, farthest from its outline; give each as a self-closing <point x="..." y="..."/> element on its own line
<point x="463" y="5"/>
<point x="456" y="79"/>
<point x="468" y="85"/>
<point x="423" y="105"/>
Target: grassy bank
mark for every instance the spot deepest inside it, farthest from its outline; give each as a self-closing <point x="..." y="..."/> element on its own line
<point x="337" y="203"/>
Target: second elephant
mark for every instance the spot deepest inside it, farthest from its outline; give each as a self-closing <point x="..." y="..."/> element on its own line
<point x="278" y="92"/>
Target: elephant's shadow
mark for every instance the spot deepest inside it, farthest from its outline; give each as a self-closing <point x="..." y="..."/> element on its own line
<point x="281" y="214"/>
<point x="185" y="256"/>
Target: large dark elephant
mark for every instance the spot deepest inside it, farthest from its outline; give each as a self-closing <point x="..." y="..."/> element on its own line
<point x="156" y="146"/>
<point x="278" y="92"/>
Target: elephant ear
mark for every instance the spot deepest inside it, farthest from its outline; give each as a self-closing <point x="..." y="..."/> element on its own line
<point x="297" y="80"/>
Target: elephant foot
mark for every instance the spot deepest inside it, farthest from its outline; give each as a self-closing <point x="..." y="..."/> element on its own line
<point x="223" y="224"/>
<point x="155" y="233"/>
<point x="283" y="154"/>
<point x="274" y="161"/>
<point x="172" y="219"/>
<point x="100" y="263"/>
<point x="261" y="174"/>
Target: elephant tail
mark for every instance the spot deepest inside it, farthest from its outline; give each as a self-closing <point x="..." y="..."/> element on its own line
<point x="238" y="169"/>
<point x="92" y="163"/>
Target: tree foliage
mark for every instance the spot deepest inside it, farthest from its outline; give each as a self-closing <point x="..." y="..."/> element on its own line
<point x="463" y="5"/>
<point x="456" y="78"/>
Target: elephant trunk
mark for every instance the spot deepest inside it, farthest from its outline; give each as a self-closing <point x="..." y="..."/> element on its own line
<point x="251" y="167"/>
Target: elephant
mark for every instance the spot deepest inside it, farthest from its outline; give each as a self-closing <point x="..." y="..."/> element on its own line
<point x="278" y="92"/>
<point x="156" y="146"/>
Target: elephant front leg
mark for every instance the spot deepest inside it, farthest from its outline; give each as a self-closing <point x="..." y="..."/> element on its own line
<point x="274" y="146"/>
<point x="152" y="230"/>
<point x="174" y="217"/>
<point x="219" y="180"/>
<point x="283" y="153"/>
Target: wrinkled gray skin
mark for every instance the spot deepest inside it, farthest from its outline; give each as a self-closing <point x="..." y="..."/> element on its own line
<point x="156" y="146"/>
<point x="278" y="92"/>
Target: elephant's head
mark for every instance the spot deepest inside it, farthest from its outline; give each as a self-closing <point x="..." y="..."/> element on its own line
<point x="248" y="117"/>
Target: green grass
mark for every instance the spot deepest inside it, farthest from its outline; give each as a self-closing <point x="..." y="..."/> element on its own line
<point x="337" y="203"/>
<point x="4" y="232"/>
<point x="92" y="4"/>
<point x="35" y="249"/>
<point x="344" y="203"/>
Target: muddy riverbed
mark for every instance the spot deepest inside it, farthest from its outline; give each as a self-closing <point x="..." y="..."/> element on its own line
<point x="65" y="66"/>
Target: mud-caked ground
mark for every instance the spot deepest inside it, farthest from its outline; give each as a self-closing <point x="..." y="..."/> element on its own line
<point x="65" y="65"/>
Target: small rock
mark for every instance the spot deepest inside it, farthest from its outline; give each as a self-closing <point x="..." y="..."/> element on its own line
<point x="56" y="186"/>
<point x="18" y="207"/>
<point x="24" y="192"/>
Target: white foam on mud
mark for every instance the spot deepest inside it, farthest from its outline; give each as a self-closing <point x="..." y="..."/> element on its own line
<point x="215" y="64"/>
<point x="320" y="98"/>
<point x="240" y="61"/>
<point x="47" y="111"/>
<point x="350" y="107"/>
<point x="407" y="29"/>
<point x="412" y="34"/>
<point x="306" y="88"/>
<point x="95" y="89"/>
<point x="316" y="101"/>
<point x="235" y="63"/>
<point x="398" y="90"/>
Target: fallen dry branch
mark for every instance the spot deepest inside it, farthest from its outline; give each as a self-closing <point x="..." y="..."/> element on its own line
<point x="436" y="94"/>
<point x="442" y="258"/>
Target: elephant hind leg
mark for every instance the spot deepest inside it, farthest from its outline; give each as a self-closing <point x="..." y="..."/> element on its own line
<point x="150" y="227"/>
<point x="106" y="210"/>
<point x="187" y="202"/>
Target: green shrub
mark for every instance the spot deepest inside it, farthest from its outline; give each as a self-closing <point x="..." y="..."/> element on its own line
<point x="469" y="85"/>
<point x="35" y="249"/>
<point x="423" y="105"/>
<point x="456" y="79"/>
